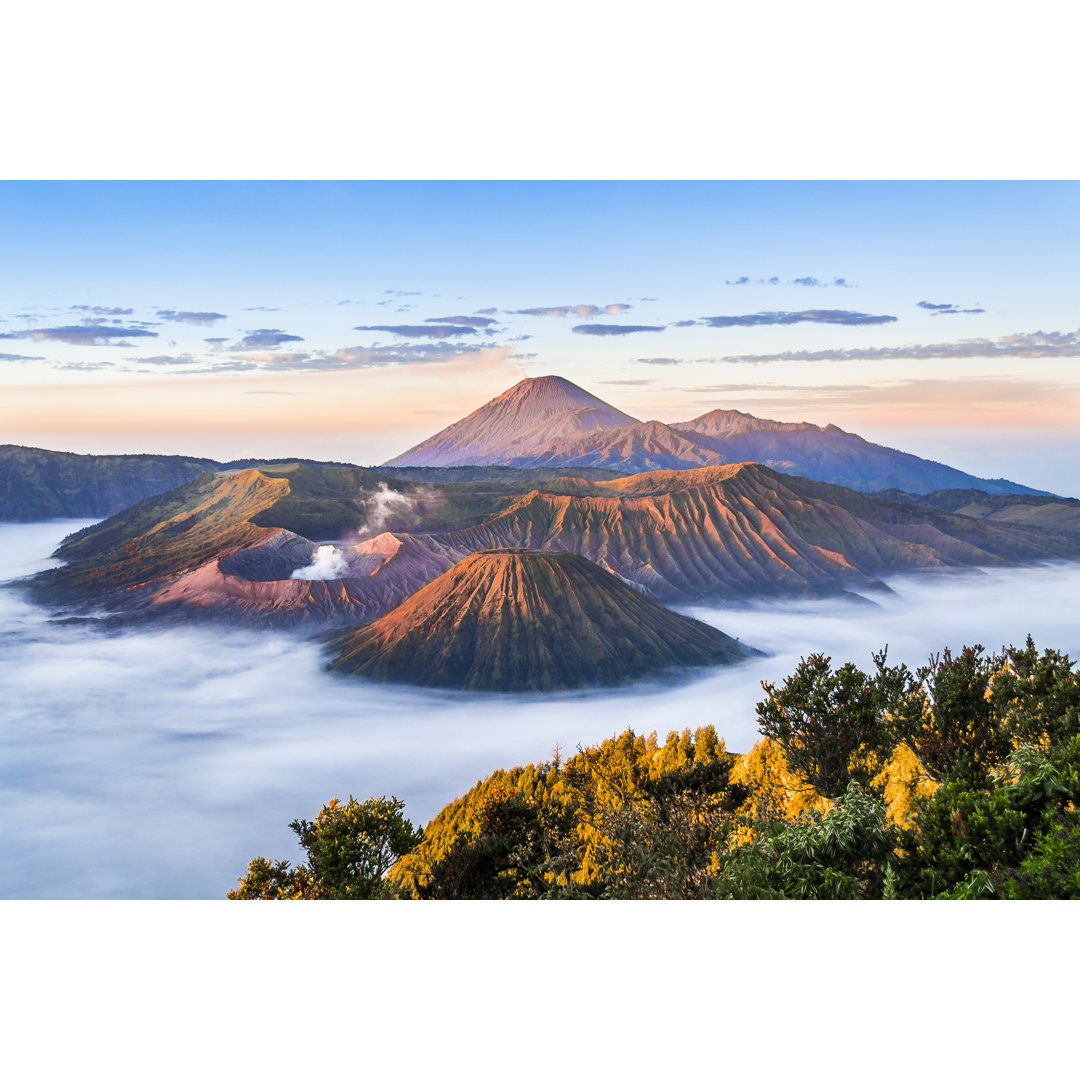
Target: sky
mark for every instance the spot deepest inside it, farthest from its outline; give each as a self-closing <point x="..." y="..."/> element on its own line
<point x="350" y="320"/>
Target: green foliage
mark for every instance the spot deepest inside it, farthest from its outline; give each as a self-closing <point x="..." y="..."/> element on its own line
<point x="840" y="855"/>
<point x="350" y="847"/>
<point x="834" y="726"/>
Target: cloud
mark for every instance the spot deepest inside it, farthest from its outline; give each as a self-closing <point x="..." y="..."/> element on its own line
<point x="486" y="311"/>
<point x="274" y="308"/>
<point x="272" y="356"/>
<point x="184" y="358"/>
<point x="463" y="320"/>
<point x="438" y="331"/>
<point x="369" y="356"/>
<point x="265" y="339"/>
<point x="582" y="311"/>
<point x="1033" y="345"/>
<point x="806" y="282"/>
<point x="83" y="335"/>
<point x="625" y="382"/>
<point x="607" y="329"/>
<point x="194" y="318"/>
<point x="785" y="318"/>
<point x="657" y="360"/>
<point x="15" y="356"/>
<point x="949" y="309"/>
<point x="103" y="310"/>
<point x="686" y="322"/>
<point x="399" y="292"/>
<point x="195" y="711"/>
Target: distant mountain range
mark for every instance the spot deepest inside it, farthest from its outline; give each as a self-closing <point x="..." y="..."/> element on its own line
<point x="552" y="422"/>
<point x="37" y="484"/>
<point x="528" y="620"/>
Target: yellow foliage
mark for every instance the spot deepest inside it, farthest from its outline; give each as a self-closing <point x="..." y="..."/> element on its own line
<point x="775" y="789"/>
<point x="903" y="779"/>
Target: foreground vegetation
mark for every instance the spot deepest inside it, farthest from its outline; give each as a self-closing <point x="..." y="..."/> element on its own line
<point x="959" y="780"/>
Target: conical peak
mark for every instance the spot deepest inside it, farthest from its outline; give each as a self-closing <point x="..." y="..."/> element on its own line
<point x="550" y="393"/>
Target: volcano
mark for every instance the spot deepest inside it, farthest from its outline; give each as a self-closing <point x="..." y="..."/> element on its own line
<point x="523" y="422"/>
<point x="519" y="620"/>
<point x="552" y="423"/>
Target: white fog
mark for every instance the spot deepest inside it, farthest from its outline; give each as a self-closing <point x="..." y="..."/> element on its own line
<point x="156" y="763"/>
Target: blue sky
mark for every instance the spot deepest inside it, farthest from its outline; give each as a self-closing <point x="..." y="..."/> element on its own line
<point x="350" y="320"/>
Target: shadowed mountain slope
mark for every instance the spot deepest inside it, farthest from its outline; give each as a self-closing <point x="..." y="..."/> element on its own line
<point x="39" y="484"/>
<point x="517" y="620"/>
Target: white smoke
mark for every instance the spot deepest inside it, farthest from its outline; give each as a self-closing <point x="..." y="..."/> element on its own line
<point x="327" y="563"/>
<point x="384" y="503"/>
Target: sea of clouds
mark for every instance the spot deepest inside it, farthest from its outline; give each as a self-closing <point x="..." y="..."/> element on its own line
<point x="155" y="763"/>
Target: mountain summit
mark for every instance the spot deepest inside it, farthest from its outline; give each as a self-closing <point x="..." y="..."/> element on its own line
<point x="552" y="423"/>
<point x="529" y="620"/>
<point x="522" y="422"/>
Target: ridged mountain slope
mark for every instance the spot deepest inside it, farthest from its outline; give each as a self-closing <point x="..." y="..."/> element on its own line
<point x="730" y="532"/>
<point x="517" y="620"/>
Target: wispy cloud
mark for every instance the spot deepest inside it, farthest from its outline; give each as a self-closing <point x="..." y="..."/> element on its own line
<point x="1033" y="345"/>
<point x="83" y="335"/>
<point x="6" y="356"/>
<point x="192" y="318"/>
<point x="463" y="320"/>
<point x="582" y="311"/>
<point x="949" y="309"/>
<point x="265" y="339"/>
<point x="807" y="282"/>
<point x="440" y="330"/>
<point x="610" y="329"/>
<point x="102" y="310"/>
<point x="786" y="318"/>
<point x="182" y="359"/>
<point x="666" y="360"/>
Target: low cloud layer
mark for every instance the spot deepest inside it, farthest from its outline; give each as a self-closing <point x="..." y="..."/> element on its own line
<point x="157" y="762"/>
<point x="786" y="318"/>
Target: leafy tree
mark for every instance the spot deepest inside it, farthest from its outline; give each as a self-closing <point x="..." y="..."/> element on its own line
<point x="512" y="847"/>
<point x="350" y="847"/>
<point x="843" y="854"/>
<point x="834" y="726"/>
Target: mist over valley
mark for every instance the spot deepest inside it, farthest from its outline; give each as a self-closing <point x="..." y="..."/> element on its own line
<point x="155" y="762"/>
